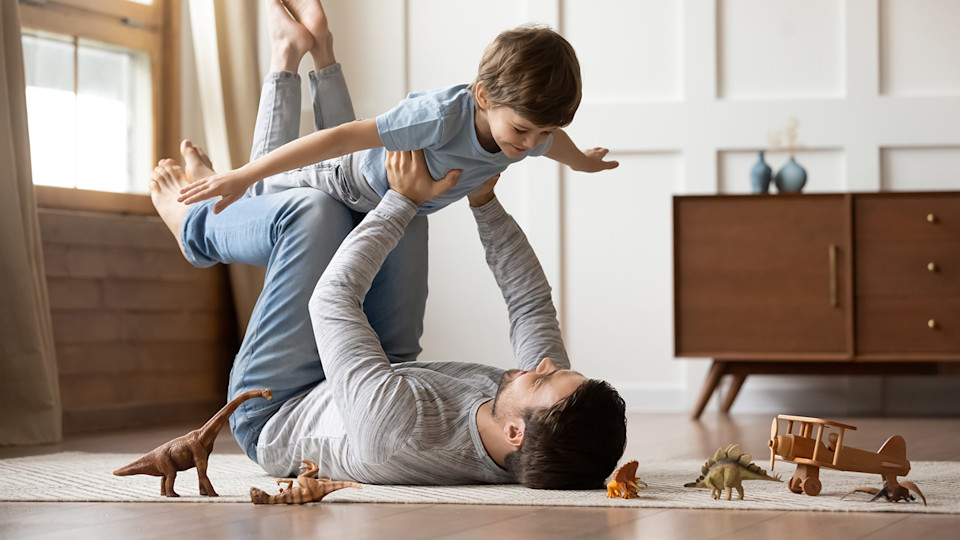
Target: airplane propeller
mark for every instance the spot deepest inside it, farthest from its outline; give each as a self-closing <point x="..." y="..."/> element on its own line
<point x="772" y="443"/>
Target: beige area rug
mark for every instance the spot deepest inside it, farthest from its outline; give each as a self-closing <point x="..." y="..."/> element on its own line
<point x="82" y="477"/>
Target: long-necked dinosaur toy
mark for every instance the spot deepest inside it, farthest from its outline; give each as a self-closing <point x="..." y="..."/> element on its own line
<point x="188" y="451"/>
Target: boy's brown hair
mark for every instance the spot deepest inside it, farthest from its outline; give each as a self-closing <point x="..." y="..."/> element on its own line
<point x="535" y="72"/>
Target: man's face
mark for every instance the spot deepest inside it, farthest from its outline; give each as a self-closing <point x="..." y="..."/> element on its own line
<point x="513" y="133"/>
<point x="540" y="388"/>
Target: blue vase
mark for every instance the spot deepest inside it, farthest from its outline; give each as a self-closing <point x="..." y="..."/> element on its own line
<point x="791" y="177"/>
<point x="760" y="175"/>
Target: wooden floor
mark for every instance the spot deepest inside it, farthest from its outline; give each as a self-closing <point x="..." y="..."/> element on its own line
<point x="650" y="435"/>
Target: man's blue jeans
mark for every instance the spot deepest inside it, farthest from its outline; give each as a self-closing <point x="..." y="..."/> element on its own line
<point x="295" y="233"/>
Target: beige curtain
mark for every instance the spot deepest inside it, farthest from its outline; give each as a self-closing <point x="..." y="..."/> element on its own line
<point x="225" y="44"/>
<point x="29" y="389"/>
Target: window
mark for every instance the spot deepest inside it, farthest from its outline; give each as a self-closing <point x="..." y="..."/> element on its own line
<point x="100" y="77"/>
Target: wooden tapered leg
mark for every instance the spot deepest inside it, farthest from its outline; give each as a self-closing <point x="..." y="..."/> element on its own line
<point x="738" y="379"/>
<point x="717" y="370"/>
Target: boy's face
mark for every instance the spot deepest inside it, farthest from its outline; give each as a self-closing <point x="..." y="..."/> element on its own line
<point x="513" y="133"/>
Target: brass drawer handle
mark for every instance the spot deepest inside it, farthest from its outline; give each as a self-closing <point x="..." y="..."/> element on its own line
<point x="931" y="218"/>
<point x="932" y="324"/>
<point x="832" y="254"/>
<point x="932" y="266"/>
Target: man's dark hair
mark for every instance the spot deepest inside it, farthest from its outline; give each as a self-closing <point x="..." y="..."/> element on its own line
<point x="576" y="443"/>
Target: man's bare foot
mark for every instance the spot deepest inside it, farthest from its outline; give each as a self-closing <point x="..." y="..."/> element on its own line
<point x="195" y="161"/>
<point x="311" y="15"/>
<point x="166" y="181"/>
<point x="289" y="40"/>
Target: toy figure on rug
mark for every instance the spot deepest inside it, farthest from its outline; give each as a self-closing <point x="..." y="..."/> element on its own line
<point x="308" y="489"/>
<point x="188" y="451"/>
<point x="625" y="483"/>
<point x="810" y="453"/>
<point x="726" y="470"/>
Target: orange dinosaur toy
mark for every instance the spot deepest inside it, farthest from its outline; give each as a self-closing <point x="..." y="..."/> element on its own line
<point x="625" y="483"/>
<point x="308" y="489"/>
<point x="188" y="451"/>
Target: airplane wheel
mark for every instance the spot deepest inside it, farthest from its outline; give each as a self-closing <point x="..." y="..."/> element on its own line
<point x="811" y="486"/>
<point x="794" y="485"/>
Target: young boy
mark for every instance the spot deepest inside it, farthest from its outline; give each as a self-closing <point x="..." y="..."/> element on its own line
<point x="527" y="87"/>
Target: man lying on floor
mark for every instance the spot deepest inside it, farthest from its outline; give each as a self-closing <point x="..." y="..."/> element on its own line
<point x="449" y="422"/>
<point x="434" y="423"/>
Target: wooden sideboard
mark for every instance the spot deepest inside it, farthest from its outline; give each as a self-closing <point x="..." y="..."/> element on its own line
<point x="844" y="284"/>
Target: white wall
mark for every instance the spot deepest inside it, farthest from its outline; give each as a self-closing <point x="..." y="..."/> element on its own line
<point x="684" y="93"/>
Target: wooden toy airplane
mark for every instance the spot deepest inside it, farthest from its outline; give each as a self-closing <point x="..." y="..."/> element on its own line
<point x="810" y="454"/>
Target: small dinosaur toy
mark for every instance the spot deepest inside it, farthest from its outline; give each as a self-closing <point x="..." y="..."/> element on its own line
<point x="188" y="451"/>
<point x="625" y="483"/>
<point x="726" y="470"/>
<point x="308" y="489"/>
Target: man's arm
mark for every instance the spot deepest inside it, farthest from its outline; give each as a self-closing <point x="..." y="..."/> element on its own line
<point x="590" y="160"/>
<point x="534" y="328"/>
<point x="378" y="407"/>
<point x="307" y="150"/>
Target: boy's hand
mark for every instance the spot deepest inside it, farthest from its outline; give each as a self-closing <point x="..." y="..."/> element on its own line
<point x="408" y="175"/>
<point x="594" y="161"/>
<point x="230" y="186"/>
<point x="483" y="194"/>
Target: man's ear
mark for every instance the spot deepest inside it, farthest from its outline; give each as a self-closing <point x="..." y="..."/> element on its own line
<point x="513" y="432"/>
<point x="480" y="94"/>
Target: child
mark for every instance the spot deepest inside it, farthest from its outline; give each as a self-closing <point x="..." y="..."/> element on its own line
<point x="527" y="88"/>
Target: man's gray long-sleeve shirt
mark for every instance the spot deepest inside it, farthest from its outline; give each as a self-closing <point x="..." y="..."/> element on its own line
<point x="413" y="423"/>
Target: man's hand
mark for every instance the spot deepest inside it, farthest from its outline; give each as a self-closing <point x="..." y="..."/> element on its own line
<point x="483" y="194"/>
<point x="408" y="175"/>
<point x="593" y="161"/>
<point x="230" y="186"/>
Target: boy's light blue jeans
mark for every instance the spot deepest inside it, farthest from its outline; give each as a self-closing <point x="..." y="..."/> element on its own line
<point x="295" y="233"/>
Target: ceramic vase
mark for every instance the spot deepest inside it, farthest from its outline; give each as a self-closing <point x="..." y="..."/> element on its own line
<point x="791" y="177"/>
<point x="760" y="175"/>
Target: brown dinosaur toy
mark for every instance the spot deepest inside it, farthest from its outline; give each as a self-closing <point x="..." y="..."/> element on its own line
<point x="307" y="490"/>
<point x="188" y="451"/>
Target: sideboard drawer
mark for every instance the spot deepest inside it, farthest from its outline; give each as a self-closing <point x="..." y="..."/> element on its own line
<point x="908" y="324"/>
<point x="908" y="268"/>
<point x="907" y="217"/>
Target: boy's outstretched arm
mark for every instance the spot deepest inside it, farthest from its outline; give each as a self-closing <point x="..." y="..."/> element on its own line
<point x="314" y="148"/>
<point x="590" y="160"/>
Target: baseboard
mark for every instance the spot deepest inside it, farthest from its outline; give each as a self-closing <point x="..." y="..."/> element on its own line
<point x="654" y="398"/>
<point x="812" y="396"/>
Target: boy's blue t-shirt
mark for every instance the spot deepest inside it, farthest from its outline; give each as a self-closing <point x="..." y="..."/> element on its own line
<point x="441" y="123"/>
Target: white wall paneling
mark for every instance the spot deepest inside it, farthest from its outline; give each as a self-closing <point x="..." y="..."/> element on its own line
<point x="782" y="49"/>
<point x="650" y="30"/>
<point x="918" y="47"/>
<point x="684" y="93"/>
<point x="920" y="169"/>
<point x="617" y="271"/>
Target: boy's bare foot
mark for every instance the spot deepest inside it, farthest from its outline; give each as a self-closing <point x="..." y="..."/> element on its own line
<point x="289" y="40"/>
<point x="195" y="161"/>
<point x="166" y="181"/>
<point x="311" y="15"/>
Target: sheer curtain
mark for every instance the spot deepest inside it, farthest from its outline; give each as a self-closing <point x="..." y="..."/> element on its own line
<point x="29" y="389"/>
<point x="224" y="42"/>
